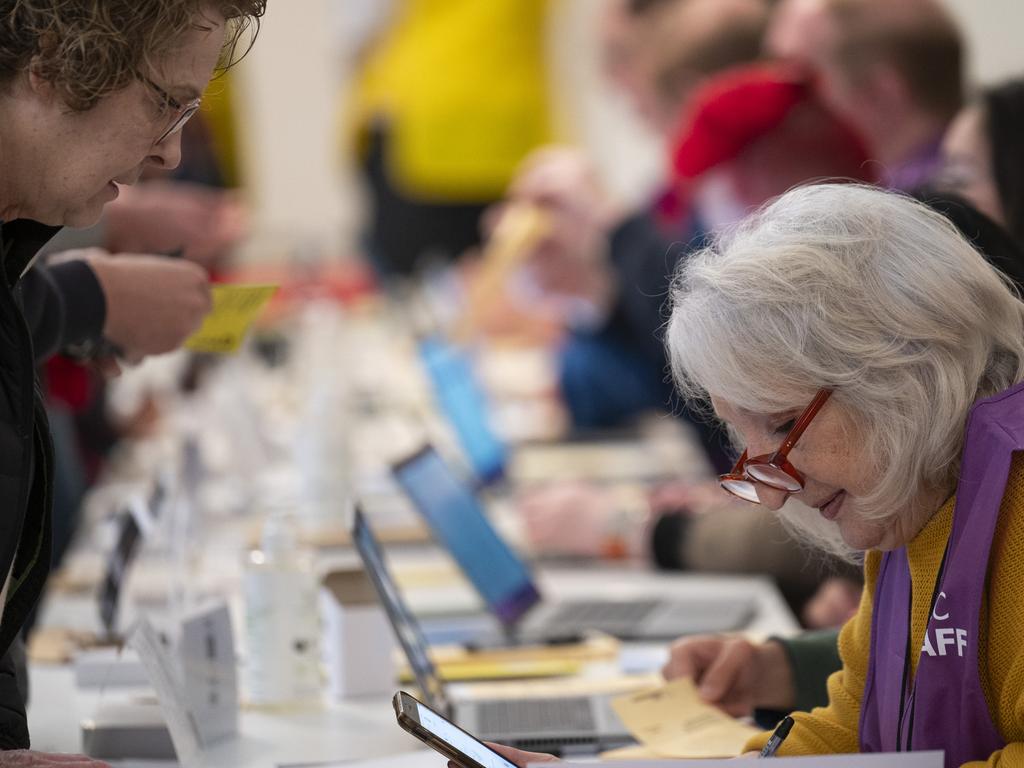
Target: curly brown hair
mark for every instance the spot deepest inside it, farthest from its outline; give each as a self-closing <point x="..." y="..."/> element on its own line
<point x="89" y="49"/>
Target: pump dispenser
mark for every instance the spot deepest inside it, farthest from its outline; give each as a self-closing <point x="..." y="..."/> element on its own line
<point x="281" y="621"/>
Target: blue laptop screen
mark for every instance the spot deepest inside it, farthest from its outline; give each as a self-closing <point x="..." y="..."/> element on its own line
<point x="457" y="520"/>
<point x="464" y="405"/>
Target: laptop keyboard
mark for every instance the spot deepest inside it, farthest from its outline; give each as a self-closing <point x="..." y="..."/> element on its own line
<point x="536" y="716"/>
<point x="595" y="615"/>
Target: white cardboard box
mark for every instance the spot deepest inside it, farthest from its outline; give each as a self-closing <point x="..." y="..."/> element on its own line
<point x="358" y="643"/>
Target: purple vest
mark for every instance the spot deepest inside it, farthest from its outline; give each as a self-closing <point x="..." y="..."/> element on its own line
<point x="944" y="707"/>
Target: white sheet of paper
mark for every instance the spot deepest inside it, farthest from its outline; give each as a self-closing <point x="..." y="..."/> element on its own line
<point x="164" y="677"/>
<point x="420" y="758"/>
<point x="211" y="683"/>
<point x="882" y="760"/>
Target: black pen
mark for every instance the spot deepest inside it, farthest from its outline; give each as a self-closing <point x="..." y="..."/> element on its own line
<point x="778" y="736"/>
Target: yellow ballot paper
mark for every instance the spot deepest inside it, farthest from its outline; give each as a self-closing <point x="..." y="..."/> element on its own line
<point x="672" y="721"/>
<point x="455" y="663"/>
<point x="469" y="671"/>
<point x="234" y="309"/>
<point x="517" y="232"/>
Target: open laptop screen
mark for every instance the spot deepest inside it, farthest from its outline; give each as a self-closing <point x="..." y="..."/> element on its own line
<point x="461" y="399"/>
<point x="129" y="537"/>
<point x="118" y="563"/>
<point x="456" y="517"/>
<point x="404" y="624"/>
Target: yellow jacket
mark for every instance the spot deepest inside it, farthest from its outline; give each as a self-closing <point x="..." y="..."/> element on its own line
<point x="462" y="87"/>
<point x="834" y="728"/>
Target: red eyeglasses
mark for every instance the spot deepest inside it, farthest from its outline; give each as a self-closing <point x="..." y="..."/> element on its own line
<point x="772" y="469"/>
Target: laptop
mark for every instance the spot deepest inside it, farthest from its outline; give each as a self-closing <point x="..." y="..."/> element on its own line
<point x="455" y="515"/>
<point x="561" y="724"/>
<point x="130" y="523"/>
<point x="461" y="399"/>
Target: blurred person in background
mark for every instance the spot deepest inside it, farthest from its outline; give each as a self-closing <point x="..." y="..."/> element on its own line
<point x="78" y="120"/>
<point x="893" y="70"/>
<point x="449" y="100"/>
<point x="982" y="155"/>
<point x="597" y="260"/>
<point x="748" y="134"/>
<point x="656" y="51"/>
<point x="609" y="267"/>
<point x="625" y="29"/>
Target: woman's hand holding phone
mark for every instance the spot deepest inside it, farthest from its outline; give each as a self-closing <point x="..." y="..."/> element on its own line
<point x="462" y="749"/>
<point x="518" y="756"/>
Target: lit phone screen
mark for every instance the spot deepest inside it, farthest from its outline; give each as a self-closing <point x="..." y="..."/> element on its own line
<point x="460" y="740"/>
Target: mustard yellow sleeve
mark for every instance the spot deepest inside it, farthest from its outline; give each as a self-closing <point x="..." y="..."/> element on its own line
<point x="833" y="729"/>
<point x="1010" y="756"/>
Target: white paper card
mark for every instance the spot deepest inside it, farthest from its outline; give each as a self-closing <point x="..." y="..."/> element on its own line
<point x="421" y="758"/>
<point x="164" y="677"/>
<point x="211" y="680"/>
<point x="881" y="760"/>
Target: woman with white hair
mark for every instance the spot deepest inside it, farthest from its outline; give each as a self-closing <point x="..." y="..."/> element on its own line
<point x="870" y="363"/>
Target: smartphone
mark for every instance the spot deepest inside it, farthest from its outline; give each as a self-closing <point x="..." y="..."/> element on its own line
<point x="443" y="736"/>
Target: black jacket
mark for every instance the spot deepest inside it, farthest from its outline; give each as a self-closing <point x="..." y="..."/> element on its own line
<point x="644" y="261"/>
<point x="40" y="313"/>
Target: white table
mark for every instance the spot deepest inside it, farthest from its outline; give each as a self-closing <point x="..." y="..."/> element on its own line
<point x="350" y="730"/>
<point x="364" y="728"/>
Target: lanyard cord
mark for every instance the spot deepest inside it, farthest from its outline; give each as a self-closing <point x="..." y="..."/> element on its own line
<point x="906" y="658"/>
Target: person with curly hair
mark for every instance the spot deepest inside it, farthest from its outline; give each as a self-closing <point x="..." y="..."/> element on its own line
<point x="91" y="94"/>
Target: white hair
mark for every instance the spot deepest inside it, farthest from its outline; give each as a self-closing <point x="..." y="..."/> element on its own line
<point x="869" y="293"/>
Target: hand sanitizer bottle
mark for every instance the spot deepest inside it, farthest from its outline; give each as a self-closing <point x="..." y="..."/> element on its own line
<point x="282" y="623"/>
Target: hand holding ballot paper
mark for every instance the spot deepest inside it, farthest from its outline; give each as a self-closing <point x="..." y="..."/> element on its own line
<point x="673" y="721"/>
<point x="507" y="249"/>
<point x="677" y="729"/>
<point x="235" y="307"/>
<point x="153" y="303"/>
<point x="879" y="760"/>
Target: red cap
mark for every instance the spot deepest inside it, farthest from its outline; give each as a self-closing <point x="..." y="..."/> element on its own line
<point x="733" y="110"/>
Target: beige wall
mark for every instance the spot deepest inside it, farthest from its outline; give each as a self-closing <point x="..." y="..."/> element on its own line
<point x="994" y="29"/>
<point x="289" y="87"/>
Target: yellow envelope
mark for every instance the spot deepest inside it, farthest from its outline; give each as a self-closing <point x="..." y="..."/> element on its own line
<point x="456" y="663"/>
<point x="455" y="672"/>
<point x="673" y="721"/>
<point x="582" y="685"/>
<point x="235" y="307"/>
